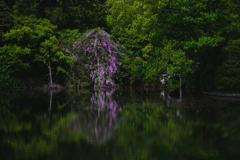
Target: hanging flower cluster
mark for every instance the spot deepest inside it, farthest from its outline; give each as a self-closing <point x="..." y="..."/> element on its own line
<point x="102" y="52"/>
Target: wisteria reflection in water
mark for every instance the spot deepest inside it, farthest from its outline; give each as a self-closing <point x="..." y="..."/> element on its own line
<point x="98" y="119"/>
<point x="153" y="124"/>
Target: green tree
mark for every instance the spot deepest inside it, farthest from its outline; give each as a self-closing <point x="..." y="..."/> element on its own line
<point x="49" y="52"/>
<point x="27" y="7"/>
<point x="228" y="73"/>
<point x="55" y="15"/>
<point x="11" y="58"/>
<point x="132" y="71"/>
<point x="6" y="19"/>
<point x="199" y="27"/>
<point x="37" y="38"/>
<point x="12" y="64"/>
<point x="82" y="15"/>
<point x="167" y="57"/>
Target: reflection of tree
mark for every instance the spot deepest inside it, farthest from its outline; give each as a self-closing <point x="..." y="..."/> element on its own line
<point x="155" y="131"/>
<point x="96" y="121"/>
<point x="26" y="129"/>
<point x="148" y="129"/>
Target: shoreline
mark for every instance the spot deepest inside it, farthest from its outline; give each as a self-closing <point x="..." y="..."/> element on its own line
<point x="221" y="94"/>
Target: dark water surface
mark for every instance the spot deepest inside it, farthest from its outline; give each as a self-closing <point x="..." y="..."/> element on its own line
<point x="125" y="124"/>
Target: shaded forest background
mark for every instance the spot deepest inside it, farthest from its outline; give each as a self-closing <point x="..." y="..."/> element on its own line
<point x="200" y="40"/>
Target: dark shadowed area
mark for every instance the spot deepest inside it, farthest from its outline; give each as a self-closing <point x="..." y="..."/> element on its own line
<point x="129" y="123"/>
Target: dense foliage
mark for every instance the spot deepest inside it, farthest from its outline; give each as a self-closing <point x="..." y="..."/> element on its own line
<point x="29" y="42"/>
<point x="228" y="74"/>
<point x="6" y="19"/>
<point x="200" y="28"/>
<point x="181" y="38"/>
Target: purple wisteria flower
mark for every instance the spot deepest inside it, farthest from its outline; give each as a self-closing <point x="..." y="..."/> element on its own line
<point x="102" y="53"/>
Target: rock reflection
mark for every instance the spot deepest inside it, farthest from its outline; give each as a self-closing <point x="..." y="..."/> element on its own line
<point x="98" y="119"/>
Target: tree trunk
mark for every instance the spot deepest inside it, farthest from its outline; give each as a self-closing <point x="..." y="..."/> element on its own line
<point x="50" y="106"/>
<point x="50" y="73"/>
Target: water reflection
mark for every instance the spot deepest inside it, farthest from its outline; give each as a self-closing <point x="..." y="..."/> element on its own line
<point x="179" y="127"/>
<point x="26" y="130"/>
<point x="97" y="119"/>
<point x="138" y="123"/>
<point x="175" y="100"/>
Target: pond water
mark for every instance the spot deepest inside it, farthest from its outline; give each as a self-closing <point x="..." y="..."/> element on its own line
<point x="124" y="124"/>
